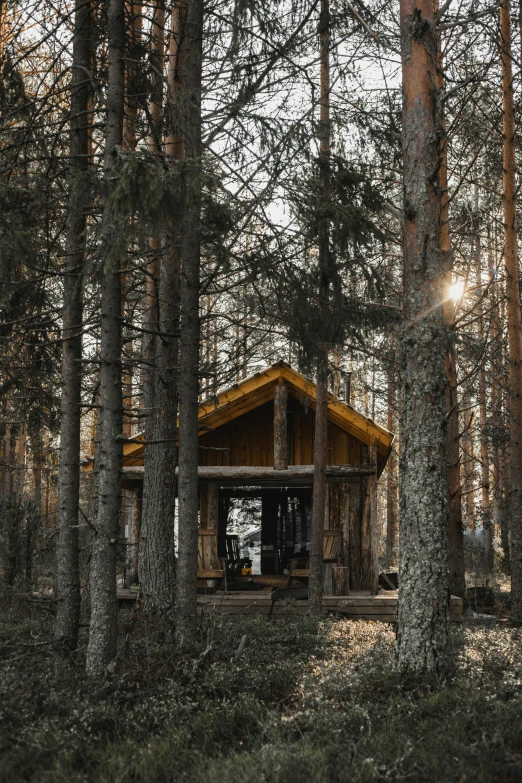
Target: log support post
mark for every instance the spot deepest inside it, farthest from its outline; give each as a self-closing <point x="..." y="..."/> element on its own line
<point x="281" y="427"/>
<point x="354" y="534"/>
<point x="344" y="524"/>
<point x="208" y="509"/>
<point x="212" y="506"/>
<point x="133" y="536"/>
<point x="372" y="490"/>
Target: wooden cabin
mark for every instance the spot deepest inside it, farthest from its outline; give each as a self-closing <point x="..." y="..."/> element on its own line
<point x="256" y="451"/>
<point x="256" y="447"/>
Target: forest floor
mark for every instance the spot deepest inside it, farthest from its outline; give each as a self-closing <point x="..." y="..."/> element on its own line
<point x="305" y="702"/>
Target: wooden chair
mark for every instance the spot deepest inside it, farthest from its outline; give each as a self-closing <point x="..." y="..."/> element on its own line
<point x="210" y="566"/>
<point x="332" y="548"/>
<point x="233" y="559"/>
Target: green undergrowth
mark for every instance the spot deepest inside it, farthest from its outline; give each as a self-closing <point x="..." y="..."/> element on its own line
<point x="305" y="702"/>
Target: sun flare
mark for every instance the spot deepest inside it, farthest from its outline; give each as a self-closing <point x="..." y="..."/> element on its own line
<point x="456" y="290"/>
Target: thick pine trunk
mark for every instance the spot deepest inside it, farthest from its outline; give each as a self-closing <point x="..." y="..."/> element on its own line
<point x="103" y="628"/>
<point x="67" y="568"/>
<point x="513" y="314"/>
<point x="155" y="109"/>
<point x="321" y="408"/>
<point x="186" y="596"/>
<point x="457" y="580"/>
<point x="423" y="599"/>
<point x="315" y="584"/>
<point x="130" y="129"/>
<point x="157" y="556"/>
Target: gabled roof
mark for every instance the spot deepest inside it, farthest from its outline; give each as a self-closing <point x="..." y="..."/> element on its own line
<point x="259" y="388"/>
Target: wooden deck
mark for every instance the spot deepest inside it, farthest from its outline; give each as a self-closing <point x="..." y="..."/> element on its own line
<point x="358" y="605"/>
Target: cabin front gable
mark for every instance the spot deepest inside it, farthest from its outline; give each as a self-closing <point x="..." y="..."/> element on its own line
<point x="249" y="439"/>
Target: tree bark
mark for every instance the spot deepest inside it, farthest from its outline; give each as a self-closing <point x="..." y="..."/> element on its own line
<point x="281" y="427"/>
<point x="321" y="410"/>
<point x="157" y="556"/>
<point x="34" y="520"/>
<point x="315" y="582"/>
<point x="423" y="600"/>
<point x="155" y="111"/>
<point x="482" y="399"/>
<point x="186" y="596"/>
<point x="129" y="142"/>
<point x="104" y="607"/>
<point x="133" y="538"/>
<point x="468" y="462"/>
<point x="67" y="581"/>
<point x="391" y="488"/>
<point x="294" y="474"/>
<point x="457" y="580"/>
<point x="499" y="475"/>
<point x="514" y="320"/>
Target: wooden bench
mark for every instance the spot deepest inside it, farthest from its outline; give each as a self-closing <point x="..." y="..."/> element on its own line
<point x="332" y="548"/>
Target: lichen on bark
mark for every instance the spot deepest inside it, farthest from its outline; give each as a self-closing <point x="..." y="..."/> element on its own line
<point x="423" y="595"/>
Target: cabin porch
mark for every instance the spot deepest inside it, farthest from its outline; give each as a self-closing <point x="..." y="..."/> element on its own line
<point x="359" y="605"/>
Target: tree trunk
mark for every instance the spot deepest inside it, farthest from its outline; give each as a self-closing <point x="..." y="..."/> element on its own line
<point x="130" y="121"/>
<point x="423" y="600"/>
<point x="513" y="314"/>
<point x="281" y="427"/>
<point x="21" y="457"/>
<point x="457" y="579"/>
<point x="487" y="525"/>
<point x="133" y="537"/>
<point x="321" y="407"/>
<point x="391" y="488"/>
<point x="499" y="473"/>
<point x="35" y="520"/>
<point x="186" y="596"/>
<point x="468" y="461"/>
<point x="104" y="607"/>
<point x="157" y="565"/>
<point x="319" y="490"/>
<point x="67" y="570"/>
<point x="155" y="114"/>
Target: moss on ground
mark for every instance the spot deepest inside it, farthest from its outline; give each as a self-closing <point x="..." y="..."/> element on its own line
<point x="306" y="702"/>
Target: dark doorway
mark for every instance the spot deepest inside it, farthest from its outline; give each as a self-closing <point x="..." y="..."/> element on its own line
<point x="286" y="519"/>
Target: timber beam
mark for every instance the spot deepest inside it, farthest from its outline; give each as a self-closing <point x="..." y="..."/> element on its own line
<point x="266" y="476"/>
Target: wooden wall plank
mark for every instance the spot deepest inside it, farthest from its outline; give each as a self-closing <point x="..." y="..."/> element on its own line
<point x="366" y="536"/>
<point x="354" y="514"/>
<point x="344" y="522"/>
<point x="333" y="506"/>
<point x="250" y="438"/>
<point x="355" y="451"/>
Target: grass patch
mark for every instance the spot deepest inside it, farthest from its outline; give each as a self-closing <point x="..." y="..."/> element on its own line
<point x="306" y="702"/>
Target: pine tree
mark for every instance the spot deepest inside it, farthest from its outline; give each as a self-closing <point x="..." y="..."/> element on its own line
<point x="423" y="599"/>
<point x="101" y="649"/>
<point x="191" y="183"/>
<point x="67" y="573"/>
